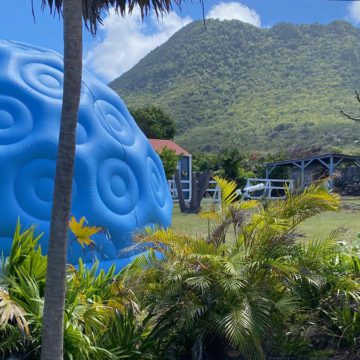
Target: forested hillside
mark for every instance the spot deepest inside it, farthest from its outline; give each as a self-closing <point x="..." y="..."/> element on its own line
<point x="257" y="88"/>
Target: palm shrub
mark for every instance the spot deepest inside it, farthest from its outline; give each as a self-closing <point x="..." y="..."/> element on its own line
<point x="248" y="290"/>
<point x="22" y="282"/>
<point x="102" y="320"/>
<point x="22" y="298"/>
<point x="192" y="290"/>
<point x="330" y="322"/>
<point x="230" y="296"/>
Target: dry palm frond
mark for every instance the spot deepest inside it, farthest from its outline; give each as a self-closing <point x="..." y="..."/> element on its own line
<point x="10" y="311"/>
<point x="237" y="215"/>
<point x="218" y="234"/>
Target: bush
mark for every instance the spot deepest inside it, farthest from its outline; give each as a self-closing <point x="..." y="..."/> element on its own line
<point x="169" y="160"/>
<point x="102" y="319"/>
<point x="248" y="290"/>
<point x="259" y="294"/>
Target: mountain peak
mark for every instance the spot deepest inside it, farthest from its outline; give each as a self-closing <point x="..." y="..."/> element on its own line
<point x="260" y="87"/>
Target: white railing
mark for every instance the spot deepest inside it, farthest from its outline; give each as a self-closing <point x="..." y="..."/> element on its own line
<point x="186" y="189"/>
<point x="279" y="185"/>
<point x="213" y="192"/>
<point x="272" y="189"/>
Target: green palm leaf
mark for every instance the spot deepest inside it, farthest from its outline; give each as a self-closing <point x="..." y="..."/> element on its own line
<point x="227" y="188"/>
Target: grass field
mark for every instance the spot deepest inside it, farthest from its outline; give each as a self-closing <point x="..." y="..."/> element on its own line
<point x="321" y="225"/>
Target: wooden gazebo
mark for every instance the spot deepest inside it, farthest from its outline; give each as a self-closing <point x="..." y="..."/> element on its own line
<point x="329" y="162"/>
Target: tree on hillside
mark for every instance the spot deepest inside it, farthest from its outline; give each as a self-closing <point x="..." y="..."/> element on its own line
<point x="204" y="161"/>
<point x="154" y="122"/>
<point x="73" y="12"/>
<point x="351" y="117"/>
<point x="230" y="160"/>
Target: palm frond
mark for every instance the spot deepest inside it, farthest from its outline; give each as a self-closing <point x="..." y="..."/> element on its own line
<point x="218" y="233"/>
<point x="11" y="311"/>
<point x="287" y="303"/>
<point x="227" y="188"/>
<point x="22" y="252"/>
<point x="314" y="200"/>
<point x="93" y="10"/>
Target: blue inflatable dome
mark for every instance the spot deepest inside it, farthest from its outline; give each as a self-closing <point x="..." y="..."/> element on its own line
<point x="119" y="182"/>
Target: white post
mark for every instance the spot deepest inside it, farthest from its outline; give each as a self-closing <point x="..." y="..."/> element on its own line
<point x="302" y="174"/>
<point x="331" y="173"/>
<point x="190" y="177"/>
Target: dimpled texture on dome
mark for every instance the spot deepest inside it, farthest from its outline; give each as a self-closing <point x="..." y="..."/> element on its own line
<point x="119" y="181"/>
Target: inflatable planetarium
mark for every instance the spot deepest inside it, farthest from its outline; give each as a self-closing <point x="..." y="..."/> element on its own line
<point x="119" y="181"/>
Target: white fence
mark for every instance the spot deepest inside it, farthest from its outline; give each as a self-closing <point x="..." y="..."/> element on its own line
<point x="273" y="188"/>
<point x="213" y="192"/>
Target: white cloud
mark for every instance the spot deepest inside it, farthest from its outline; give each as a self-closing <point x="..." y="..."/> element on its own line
<point x="354" y="12"/>
<point x="234" y="11"/>
<point x="125" y="41"/>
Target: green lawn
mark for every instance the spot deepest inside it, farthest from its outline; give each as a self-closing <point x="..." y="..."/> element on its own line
<point x="320" y="225"/>
<point x="323" y="224"/>
<point x="189" y="223"/>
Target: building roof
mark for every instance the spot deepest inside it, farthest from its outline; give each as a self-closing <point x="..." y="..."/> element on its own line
<point x="159" y="144"/>
<point x="335" y="156"/>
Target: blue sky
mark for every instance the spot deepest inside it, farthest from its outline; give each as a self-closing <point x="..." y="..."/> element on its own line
<point x="128" y="40"/>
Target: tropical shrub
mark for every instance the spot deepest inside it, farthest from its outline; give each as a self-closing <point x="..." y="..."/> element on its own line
<point x="228" y="163"/>
<point x="250" y="289"/>
<point x="329" y="322"/>
<point x="102" y="319"/>
<point x="257" y="293"/>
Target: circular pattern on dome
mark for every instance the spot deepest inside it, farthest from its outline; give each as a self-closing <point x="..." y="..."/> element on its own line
<point x="156" y="182"/>
<point x="81" y="134"/>
<point x="15" y="120"/>
<point x="109" y="188"/>
<point x="22" y="47"/>
<point x="45" y="79"/>
<point x="117" y="186"/>
<point x="34" y="187"/>
<point x="114" y="122"/>
<point x="44" y="188"/>
<point x="6" y="120"/>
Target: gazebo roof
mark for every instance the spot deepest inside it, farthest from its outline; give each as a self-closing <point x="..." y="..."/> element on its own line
<point x="159" y="144"/>
<point x="335" y="156"/>
<point x="329" y="161"/>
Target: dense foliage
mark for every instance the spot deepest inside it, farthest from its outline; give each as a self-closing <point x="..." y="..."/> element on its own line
<point x="262" y="88"/>
<point x="154" y="122"/>
<point x="250" y="289"/>
<point x="102" y="318"/>
<point x="229" y="163"/>
<point x="259" y="294"/>
<point x="169" y="160"/>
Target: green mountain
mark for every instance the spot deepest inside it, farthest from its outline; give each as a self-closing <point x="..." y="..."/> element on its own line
<point x="260" y="89"/>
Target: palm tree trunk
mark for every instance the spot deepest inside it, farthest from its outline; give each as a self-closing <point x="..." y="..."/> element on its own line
<point x="53" y="317"/>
